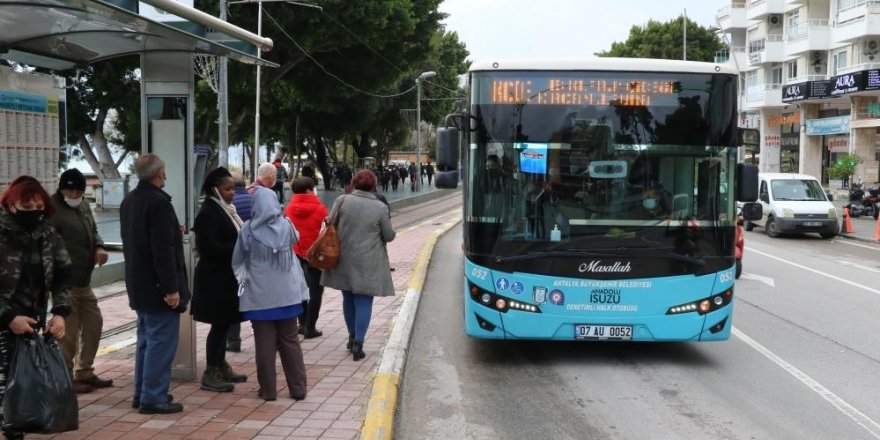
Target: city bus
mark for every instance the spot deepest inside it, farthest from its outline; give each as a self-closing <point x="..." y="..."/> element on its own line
<point x="599" y="199"/>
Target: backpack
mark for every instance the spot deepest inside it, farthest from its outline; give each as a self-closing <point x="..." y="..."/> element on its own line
<point x="281" y="174"/>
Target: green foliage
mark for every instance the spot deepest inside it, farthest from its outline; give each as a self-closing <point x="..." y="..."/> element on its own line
<point x="844" y="167"/>
<point x="664" y="41"/>
<point x="333" y="64"/>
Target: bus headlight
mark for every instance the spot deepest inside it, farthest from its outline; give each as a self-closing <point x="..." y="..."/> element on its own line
<point x="498" y="302"/>
<point x="704" y="305"/>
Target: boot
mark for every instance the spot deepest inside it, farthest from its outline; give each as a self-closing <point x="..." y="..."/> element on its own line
<point x="212" y="380"/>
<point x="357" y="351"/>
<point x="350" y="342"/>
<point x="231" y="376"/>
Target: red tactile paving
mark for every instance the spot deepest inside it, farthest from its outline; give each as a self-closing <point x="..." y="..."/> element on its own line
<point x="338" y="387"/>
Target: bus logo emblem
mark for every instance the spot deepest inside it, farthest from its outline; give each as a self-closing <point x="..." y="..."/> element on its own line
<point x="557" y="298"/>
<point x="540" y="295"/>
<point x="597" y="266"/>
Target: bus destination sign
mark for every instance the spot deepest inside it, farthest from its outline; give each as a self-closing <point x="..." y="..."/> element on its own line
<point x="550" y="91"/>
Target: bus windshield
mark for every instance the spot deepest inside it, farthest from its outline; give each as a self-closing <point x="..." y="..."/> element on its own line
<point x="562" y="160"/>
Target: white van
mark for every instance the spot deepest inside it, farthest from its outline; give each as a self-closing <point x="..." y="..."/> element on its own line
<point x="794" y="203"/>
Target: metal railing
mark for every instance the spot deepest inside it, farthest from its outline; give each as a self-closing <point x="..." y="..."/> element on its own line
<point x="802" y="29"/>
<point x="843" y="5"/>
<point x="804" y="78"/>
<point x="858" y="68"/>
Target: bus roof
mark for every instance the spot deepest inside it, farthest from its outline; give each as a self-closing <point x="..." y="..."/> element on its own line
<point x="604" y="64"/>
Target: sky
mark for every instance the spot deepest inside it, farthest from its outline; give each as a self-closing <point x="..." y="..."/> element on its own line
<point x="499" y="29"/>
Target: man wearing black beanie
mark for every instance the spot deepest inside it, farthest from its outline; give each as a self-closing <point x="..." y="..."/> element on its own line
<point x="75" y="223"/>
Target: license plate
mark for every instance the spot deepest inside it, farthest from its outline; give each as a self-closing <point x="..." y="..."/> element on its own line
<point x="812" y="224"/>
<point x="590" y="331"/>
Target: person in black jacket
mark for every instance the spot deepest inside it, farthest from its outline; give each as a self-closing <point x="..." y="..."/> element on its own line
<point x="155" y="277"/>
<point x="215" y="290"/>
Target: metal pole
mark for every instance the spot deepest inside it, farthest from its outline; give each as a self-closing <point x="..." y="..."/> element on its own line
<point x="418" y="180"/>
<point x="685" y="30"/>
<point x="257" y="110"/>
<point x="223" y="103"/>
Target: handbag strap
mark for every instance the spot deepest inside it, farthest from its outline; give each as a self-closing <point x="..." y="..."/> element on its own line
<point x="335" y="220"/>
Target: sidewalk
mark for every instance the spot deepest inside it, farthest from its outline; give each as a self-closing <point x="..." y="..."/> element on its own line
<point x="339" y="388"/>
<point x="864" y="227"/>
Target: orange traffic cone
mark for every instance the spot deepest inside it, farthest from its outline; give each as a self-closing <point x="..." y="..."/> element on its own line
<point x="877" y="230"/>
<point x="847" y="224"/>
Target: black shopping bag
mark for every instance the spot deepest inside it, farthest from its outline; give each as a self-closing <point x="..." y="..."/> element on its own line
<point x="39" y="393"/>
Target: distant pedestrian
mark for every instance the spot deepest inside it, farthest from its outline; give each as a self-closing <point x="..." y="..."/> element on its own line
<point x="309" y="171"/>
<point x="363" y="271"/>
<point x="156" y="280"/>
<point x="395" y="177"/>
<point x="215" y="290"/>
<point x="76" y="224"/>
<point x="34" y="267"/>
<point x="307" y="213"/>
<point x="384" y="178"/>
<point x="280" y="179"/>
<point x="272" y="290"/>
<point x="413" y="176"/>
<point x="429" y="171"/>
<point x="242" y="200"/>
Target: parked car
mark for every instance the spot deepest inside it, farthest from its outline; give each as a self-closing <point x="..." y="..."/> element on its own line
<point x="794" y="203"/>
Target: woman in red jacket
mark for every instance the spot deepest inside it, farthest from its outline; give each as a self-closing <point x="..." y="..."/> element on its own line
<point x="307" y="213"/>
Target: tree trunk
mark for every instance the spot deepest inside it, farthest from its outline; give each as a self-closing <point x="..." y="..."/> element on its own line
<point x="97" y="153"/>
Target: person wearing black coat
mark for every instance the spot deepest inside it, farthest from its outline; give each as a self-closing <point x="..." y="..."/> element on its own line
<point x="215" y="290"/>
<point x="155" y="277"/>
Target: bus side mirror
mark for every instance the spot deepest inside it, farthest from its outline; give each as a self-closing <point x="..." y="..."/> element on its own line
<point x="752" y="211"/>
<point x="746" y="182"/>
<point x="447" y="158"/>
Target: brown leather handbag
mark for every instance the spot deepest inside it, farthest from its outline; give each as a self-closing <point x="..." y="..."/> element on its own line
<point x="324" y="252"/>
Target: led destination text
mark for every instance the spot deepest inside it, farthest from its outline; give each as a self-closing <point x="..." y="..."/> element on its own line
<point x="580" y="92"/>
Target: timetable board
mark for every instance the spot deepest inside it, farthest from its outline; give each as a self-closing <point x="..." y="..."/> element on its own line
<point x="30" y="138"/>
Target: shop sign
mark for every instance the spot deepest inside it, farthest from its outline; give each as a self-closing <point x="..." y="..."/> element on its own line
<point x="790" y="141"/>
<point x="825" y="126"/>
<point x="772" y="140"/>
<point x="820" y="89"/>
<point x="795" y="92"/>
<point x="838" y="144"/>
<point x="872" y="79"/>
<point x="848" y="83"/>
<point x="783" y="119"/>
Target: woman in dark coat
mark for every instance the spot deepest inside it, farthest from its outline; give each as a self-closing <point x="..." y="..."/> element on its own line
<point x="215" y="292"/>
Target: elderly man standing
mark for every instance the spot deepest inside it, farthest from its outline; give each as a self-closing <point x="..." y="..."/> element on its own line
<point x="155" y="276"/>
<point x="75" y="223"/>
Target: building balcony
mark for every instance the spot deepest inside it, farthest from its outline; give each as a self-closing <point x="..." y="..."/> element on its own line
<point x="757" y="9"/>
<point x="804" y="78"/>
<point x="769" y="49"/>
<point x="856" y="19"/>
<point x="857" y="68"/>
<point x="763" y="96"/>
<point x="732" y="16"/>
<point x="739" y="59"/>
<point x="808" y="35"/>
<point x="791" y="5"/>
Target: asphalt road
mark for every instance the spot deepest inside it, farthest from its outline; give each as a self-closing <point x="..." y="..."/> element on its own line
<point x="803" y="362"/>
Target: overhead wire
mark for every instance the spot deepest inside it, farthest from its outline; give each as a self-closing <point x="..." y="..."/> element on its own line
<point x="324" y="69"/>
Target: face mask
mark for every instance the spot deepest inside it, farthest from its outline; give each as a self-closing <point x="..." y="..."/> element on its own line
<point x="73" y="203"/>
<point x="28" y="220"/>
<point x="649" y="203"/>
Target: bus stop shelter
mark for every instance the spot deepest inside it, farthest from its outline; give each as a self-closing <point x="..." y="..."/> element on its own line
<point x="72" y="34"/>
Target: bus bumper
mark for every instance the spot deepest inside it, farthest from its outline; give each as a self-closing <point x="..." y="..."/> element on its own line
<point x="485" y="323"/>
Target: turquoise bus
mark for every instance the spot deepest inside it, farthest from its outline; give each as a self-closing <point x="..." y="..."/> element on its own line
<point x="599" y="199"/>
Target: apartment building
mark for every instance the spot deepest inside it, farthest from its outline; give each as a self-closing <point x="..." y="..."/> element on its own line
<point x="810" y="81"/>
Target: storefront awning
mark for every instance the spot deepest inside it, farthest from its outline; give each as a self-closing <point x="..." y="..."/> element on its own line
<point x="65" y="34"/>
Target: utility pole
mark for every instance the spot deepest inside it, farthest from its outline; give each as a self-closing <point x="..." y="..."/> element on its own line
<point x="684" y="29"/>
<point x="223" y="103"/>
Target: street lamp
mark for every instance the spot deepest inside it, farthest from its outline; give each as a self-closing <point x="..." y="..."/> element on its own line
<point x="422" y="77"/>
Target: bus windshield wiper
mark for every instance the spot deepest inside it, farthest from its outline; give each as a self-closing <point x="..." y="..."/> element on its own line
<point x="616" y="252"/>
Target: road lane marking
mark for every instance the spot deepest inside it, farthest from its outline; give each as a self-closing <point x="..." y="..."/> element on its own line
<point x="850" y="411"/>
<point x="819" y="272"/>
<point x="759" y="278"/>
<point x="852" y="243"/>
<point x="859" y="266"/>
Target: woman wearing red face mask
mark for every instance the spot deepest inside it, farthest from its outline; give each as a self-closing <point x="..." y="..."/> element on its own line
<point x="34" y="265"/>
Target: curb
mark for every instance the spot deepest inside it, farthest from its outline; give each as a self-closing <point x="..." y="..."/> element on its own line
<point x="379" y="419"/>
